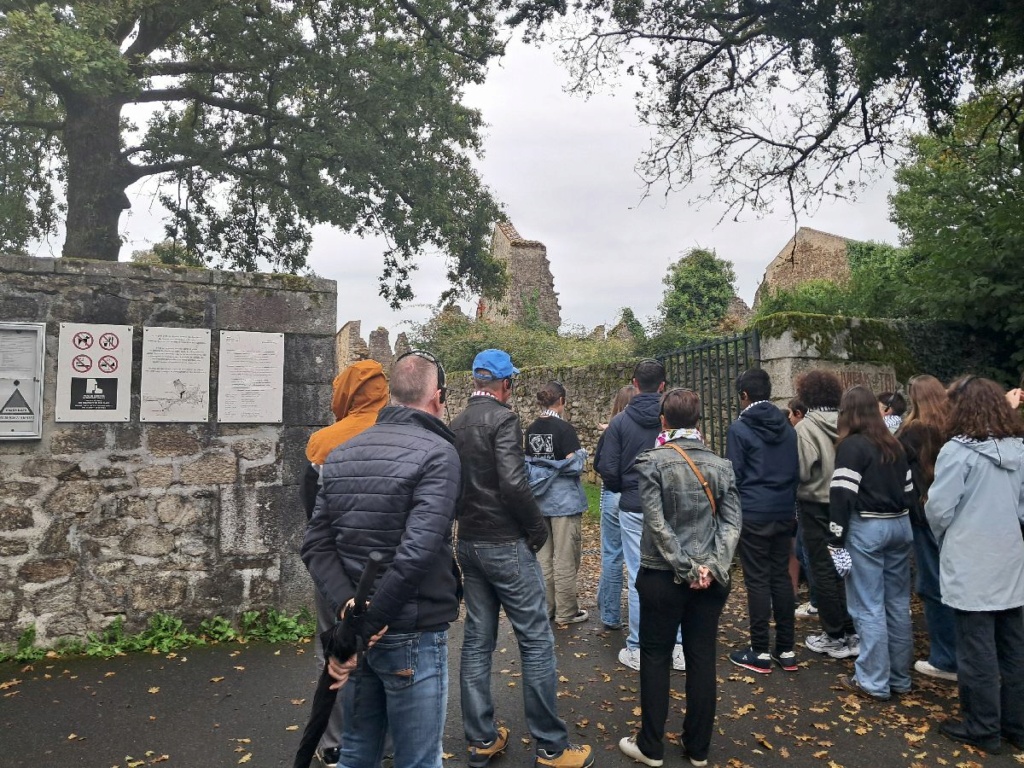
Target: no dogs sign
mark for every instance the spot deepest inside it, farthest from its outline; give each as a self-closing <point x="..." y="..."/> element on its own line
<point x="94" y="372"/>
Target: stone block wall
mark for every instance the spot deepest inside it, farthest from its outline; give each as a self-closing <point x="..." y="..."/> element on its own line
<point x="100" y="520"/>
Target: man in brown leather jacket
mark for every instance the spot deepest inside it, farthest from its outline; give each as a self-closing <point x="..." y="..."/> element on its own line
<point x="500" y="529"/>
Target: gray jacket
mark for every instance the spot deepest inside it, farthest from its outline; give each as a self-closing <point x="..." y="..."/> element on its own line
<point x="816" y="447"/>
<point x="975" y="509"/>
<point x="556" y="484"/>
<point x="680" y="533"/>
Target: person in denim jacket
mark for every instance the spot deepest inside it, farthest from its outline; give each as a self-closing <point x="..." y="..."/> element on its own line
<point x="686" y="549"/>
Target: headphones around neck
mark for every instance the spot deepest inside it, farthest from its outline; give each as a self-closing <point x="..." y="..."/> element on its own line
<point x="437" y="363"/>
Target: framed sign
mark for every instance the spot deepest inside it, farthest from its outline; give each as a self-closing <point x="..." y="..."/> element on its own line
<point x="250" y="381"/>
<point x="94" y="372"/>
<point x="22" y="360"/>
<point x="175" y="374"/>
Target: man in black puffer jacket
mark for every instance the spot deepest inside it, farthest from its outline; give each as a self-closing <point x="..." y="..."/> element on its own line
<point x="393" y="489"/>
<point x="631" y="432"/>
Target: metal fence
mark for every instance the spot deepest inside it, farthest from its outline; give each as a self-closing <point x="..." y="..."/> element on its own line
<point x="710" y="369"/>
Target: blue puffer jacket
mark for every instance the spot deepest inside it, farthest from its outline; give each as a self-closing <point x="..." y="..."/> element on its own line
<point x="629" y="433"/>
<point x="556" y="484"/>
<point x="392" y="489"/>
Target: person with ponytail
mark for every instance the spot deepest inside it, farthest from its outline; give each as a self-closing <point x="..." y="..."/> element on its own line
<point x="869" y="499"/>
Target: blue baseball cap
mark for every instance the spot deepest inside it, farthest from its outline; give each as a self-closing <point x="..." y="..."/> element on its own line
<point x="493" y="364"/>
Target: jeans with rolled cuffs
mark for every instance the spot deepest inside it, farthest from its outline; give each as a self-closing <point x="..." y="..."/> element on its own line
<point x="609" y="588"/>
<point x="401" y="684"/>
<point x="878" y="597"/>
<point x="507" y="575"/>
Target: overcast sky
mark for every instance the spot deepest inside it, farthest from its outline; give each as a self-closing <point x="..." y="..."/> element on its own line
<point x="564" y="169"/>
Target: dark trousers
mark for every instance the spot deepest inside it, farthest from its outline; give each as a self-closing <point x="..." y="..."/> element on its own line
<point x="828" y="587"/>
<point x="764" y="554"/>
<point x="990" y="661"/>
<point x="664" y="607"/>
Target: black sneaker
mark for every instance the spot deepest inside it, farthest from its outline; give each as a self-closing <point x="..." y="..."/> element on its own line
<point x="748" y="658"/>
<point x="786" y="660"/>
<point x="330" y="756"/>
<point x="956" y="731"/>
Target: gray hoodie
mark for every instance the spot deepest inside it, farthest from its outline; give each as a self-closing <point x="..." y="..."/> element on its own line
<point x="816" y="446"/>
<point x="975" y="509"/>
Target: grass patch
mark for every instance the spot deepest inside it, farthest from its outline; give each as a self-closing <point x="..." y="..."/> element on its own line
<point x="593" y="491"/>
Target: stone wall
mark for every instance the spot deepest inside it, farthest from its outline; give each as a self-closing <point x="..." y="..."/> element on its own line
<point x="530" y="294"/>
<point x="809" y="255"/>
<point x="100" y="520"/>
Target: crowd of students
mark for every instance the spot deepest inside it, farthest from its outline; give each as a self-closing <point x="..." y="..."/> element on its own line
<point x="851" y="489"/>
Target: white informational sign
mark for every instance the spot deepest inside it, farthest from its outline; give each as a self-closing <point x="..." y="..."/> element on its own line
<point x="250" y="382"/>
<point x="22" y="357"/>
<point x="94" y="372"/>
<point x="175" y="374"/>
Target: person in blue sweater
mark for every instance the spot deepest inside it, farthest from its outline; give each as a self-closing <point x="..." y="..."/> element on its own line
<point x="761" y="444"/>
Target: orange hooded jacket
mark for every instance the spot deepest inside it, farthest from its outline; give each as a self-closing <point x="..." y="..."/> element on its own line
<point x="360" y="391"/>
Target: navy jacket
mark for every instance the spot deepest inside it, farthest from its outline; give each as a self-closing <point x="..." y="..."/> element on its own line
<point x="630" y="432"/>
<point x="393" y="489"/>
<point x="761" y="444"/>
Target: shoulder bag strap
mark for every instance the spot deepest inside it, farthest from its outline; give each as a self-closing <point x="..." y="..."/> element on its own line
<point x="697" y="472"/>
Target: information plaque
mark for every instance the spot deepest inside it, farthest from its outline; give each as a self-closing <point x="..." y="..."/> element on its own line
<point x="175" y="374"/>
<point x="94" y="372"/>
<point x="250" y="381"/>
<point x="22" y="360"/>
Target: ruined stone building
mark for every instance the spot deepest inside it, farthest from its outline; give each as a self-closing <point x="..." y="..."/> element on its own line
<point x="530" y="294"/>
<point x="809" y="255"/>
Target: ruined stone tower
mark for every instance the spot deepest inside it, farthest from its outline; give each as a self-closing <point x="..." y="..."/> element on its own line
<point x="530" y="294"/>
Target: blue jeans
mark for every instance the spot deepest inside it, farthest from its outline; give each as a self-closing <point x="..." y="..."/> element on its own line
<point x="631" y="525"/>
<point x="878" y="598"/>
<point x="938" y="616"/>
<point x="401" y="684"/>
<point x="507" y="575"/>
<point x="609" y="588"/>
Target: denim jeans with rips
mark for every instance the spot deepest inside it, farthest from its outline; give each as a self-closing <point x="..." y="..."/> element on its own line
<point x="402" y="685"/>
<point x="507" y="575"/>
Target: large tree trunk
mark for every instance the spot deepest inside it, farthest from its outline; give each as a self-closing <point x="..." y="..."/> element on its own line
<point x="97" y="178"/>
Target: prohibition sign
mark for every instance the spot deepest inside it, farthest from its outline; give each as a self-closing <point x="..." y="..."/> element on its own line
<point x="107" y="364"/>
<point x="83" y="340"/>
<point x="109" y="341"/>
<point x="81" y="363"/>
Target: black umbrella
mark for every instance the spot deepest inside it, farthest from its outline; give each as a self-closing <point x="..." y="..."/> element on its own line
<point x="341" y="641"/>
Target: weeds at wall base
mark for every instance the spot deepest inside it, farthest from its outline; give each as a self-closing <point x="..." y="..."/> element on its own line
<point x="166" y="633"/>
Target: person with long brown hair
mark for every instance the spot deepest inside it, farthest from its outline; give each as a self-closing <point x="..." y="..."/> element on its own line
<point x="975" y="510"/>
<point x="869" y="520"/>
<point x="922" y="435"/>
<point x="609" y="586"/>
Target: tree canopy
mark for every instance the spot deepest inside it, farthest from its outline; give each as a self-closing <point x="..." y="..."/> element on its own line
<point x="960" y="208"/>
<point x="258" y="119"/>
<point x="796" y="97"/>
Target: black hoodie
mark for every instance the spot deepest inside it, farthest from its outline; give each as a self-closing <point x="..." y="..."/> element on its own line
<point x="761" y="445"/>
<point x="630" y="432"/>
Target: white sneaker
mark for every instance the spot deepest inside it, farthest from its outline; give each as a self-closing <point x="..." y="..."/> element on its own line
<point x="837" y="649"/>
<point x="926" y="668"/>
<point x="853" y="644"/>
<point x="678" y="659"/>
<point x="805" y="611"/>
<point x="630" y="657"/>
<point x="630" y="749"/>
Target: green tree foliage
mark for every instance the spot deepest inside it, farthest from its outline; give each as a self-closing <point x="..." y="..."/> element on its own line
<point x="881" y="284"/>
<point x="169" y="253"/>
<point x="793" y="97"/>
<point x="960" y="207"/>
<point x="261" y="119"/>
<point x="698" y="289"/>
<point x="456" y="340"/>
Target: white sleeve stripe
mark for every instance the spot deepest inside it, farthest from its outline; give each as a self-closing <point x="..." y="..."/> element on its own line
<point x="848" y="474"/>
<point x="908" y="475"/>
<point x="845" y="484"/>
<point x="908" y="487"/>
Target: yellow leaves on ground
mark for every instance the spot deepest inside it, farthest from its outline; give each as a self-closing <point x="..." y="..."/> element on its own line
<point x="216" y="679"/>
<point x="154" y="689"/>
<point x="298" y="702"/>
<point x="291" y="728"/>
<point x="245" y="758"/>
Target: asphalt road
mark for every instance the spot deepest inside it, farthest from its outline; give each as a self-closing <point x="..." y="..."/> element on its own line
<point x="233" y="704"/>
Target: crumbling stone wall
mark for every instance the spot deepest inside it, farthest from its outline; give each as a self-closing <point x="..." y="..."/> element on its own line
<point x="349" y="346"/>
<point x="809" y="255"/>
<point x="104" y="520"/>
<point x="530" y="294"/>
